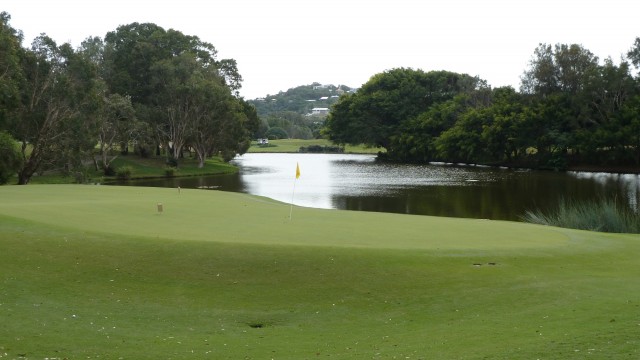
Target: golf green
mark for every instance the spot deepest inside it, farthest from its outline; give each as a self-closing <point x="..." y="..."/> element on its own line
<point x="100" y="272"/>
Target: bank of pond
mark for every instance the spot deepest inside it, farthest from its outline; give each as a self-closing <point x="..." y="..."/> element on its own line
<point x="359" y="182"/>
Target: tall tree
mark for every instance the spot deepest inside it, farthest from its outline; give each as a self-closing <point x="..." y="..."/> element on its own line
<point x="57" y="98"/>
<point x="116" y="123"/>
<point x="634" y="53"/>
<point x="556" y="83"/>
<point x="506" y="138"/>
<point x="179" y="84"/>
<point x="159" y="68"/>
<point x="375" y="114"/>
<point x="561" y="68"/>
<point x="11" y="75"/>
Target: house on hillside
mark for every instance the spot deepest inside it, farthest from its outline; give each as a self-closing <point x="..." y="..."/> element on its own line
<point x="319" y="111"/>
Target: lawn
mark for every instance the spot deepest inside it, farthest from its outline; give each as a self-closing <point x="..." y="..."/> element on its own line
<point x="293" y="145"/>
<point x="98" y="272"/>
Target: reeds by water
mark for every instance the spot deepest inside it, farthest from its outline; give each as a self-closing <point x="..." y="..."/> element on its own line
<point x="604" y="215"/>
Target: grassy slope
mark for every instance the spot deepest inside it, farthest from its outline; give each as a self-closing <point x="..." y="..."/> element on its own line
<point x="88" y="271"/>
<point x="152" y="167"/>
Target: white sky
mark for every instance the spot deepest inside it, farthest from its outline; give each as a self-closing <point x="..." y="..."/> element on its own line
<point x="280" y="44"/>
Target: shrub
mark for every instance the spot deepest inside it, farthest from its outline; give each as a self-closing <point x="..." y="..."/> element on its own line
<point x="604" y="215"/>
<point x="81" y="175"/>
<point x="11" y="160"/>
<point x="275" y="133"/>
<point x="124" y="172"/>
<point x="319" y="149"/>
<point x="109" y="171"/>
<point x="172" y="162"/>
<point x="227" y="155"/>
<point x="170" y="171"/>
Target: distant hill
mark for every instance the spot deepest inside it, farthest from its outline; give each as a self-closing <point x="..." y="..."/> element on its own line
<point x="302" y="99"/>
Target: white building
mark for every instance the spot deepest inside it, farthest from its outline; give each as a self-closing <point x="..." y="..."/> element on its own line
<point x="319" y="111"/>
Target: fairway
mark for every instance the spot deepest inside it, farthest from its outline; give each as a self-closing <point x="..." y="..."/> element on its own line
<point x="99" y="272"/>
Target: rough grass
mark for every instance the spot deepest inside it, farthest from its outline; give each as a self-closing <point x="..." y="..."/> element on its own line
<point x="603" y="215"/>
<point x="97" y="272"/>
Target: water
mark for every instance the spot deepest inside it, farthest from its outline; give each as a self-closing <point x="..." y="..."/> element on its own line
<point x="358" y="182"/>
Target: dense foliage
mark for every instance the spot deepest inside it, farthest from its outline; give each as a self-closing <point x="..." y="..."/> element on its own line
<point x="142" y="87"/>
<point x="571" y="110"/>
<point x="10" y="159"/>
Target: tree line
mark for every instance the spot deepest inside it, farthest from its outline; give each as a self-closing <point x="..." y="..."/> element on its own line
<point x="571" y="110"/>
<point x="141" y="87"/>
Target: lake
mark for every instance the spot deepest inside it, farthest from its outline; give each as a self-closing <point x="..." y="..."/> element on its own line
<point x="359" y="182"/>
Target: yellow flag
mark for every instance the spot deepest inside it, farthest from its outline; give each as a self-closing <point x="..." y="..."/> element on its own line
<point x="297" y="171"/>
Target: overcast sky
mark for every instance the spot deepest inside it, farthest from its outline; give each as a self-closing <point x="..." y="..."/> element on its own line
<point x="280" y="44"/>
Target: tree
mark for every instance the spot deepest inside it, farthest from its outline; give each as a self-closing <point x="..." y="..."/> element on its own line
<point x="295" y="124"/>
<point x="505" y="138"/>
<point x="562" y="68"/>
<point x="214" y="119"/>
<point x="116" y="125"/>
<point x="161" y="70"/>
<point x="11" y="75"/>
<point x="277" y="133"/>
<point x="57" y="98"/>
<point x="232" y="136"/>
<point x="557" y="84"/>
<point x="629" y="129"/>
<point x="463" y="142"/>
<point x="634" y="53"/>
<point x="607" y="94"/>
<point x="416" y="140"/>
<point x="178" y="84"/>
<point x="375" y="114"/>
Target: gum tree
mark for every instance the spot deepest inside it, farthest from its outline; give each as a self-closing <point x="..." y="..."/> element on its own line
<point x="52" y="122"/>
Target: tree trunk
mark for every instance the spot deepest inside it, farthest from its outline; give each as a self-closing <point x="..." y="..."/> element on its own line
<point x="202" y="156"/>
<point x="27" y="171"/>
<point x="30" y="164"/>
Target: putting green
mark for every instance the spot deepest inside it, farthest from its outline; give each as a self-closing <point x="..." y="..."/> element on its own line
<point x="92" y="272"/>
<point x="238" y="218"/>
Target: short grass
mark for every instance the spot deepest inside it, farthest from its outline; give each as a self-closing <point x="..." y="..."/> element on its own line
<point x="293" y="145"/>
<point x="97" y="272"/>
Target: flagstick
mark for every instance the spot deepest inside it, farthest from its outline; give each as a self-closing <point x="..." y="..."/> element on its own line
<point x="292" y="194"/>
<point x="294" y="189"/>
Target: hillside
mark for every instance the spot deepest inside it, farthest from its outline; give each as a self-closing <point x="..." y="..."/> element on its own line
<point x="297" y="113"/>
<point x="301" y="99"/>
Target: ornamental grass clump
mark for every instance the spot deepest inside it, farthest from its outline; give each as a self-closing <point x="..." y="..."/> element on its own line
<point x="604" y="215"/>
